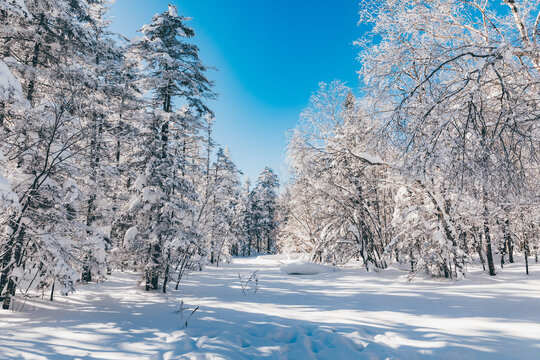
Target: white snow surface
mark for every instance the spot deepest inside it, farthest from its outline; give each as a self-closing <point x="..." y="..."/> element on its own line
<point x="346" y="314"/>
<point x="304" y="268"/>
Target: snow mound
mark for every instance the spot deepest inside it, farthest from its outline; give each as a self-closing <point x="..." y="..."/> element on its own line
<point x="305" y="268"/>
<point x="279" y="257"/>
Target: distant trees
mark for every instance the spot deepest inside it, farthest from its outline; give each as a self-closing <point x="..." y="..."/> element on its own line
<point x="264" y="209"/>
<point x="337" y="207"/>
<point x="225" y="226"/>
<point x="243" y="221"/>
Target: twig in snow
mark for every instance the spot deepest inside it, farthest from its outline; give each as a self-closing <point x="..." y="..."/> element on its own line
<point x="250" y="284"/>
<point x="189" y="317"/>
<point x="181" y="312"/>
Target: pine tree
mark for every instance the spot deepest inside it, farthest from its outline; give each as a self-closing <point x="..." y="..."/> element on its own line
<point x="224" y="230"/>
<point x="162" y="206"/>
<point x="244" y="217"/>
<point x="264" y="210"/>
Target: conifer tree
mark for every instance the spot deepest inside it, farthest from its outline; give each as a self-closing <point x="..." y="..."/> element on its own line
<point x="224" y="230"/>
<point x="162" y="207"/>
<point x="264" y="210"/>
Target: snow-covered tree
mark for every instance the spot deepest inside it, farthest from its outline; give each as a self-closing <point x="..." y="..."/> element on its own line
<point x="453" y="84"/>
<point x="107" y="155"/>
<point x="48" y="48"/>
<point x="264" y="211"/>
<point x="337" y="206"/>
<point x="11" y="99"/>
<point x="225" y="220"/>
<point x="162" y="207"/>
<point x="449" y="101"/>
<point x="244" y="245"/>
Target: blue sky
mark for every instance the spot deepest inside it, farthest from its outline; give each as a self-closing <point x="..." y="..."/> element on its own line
<point x="270" y="56"/>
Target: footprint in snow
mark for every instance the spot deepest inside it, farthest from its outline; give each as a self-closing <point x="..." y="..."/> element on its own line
<point x="301" y="342"/>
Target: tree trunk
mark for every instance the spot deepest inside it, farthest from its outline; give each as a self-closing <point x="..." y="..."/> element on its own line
<point x="502" y="250"/>
<point x="269" y="244"/>
<point x="14" y="251"/>
<point x="94" y="163"/>
<point x="152" y="274"/>
<point x="154" y="281"/>
<point x="2" y="114"/>
<point x="10" y="291"/>
<point x="508" y="241"/>
<point x="5" y="266"/>
<point x="166" y="274"/>
<point x="489" y="253"/>
<point x="165" y="278"/>
<point x="86" y="275"/>
<point x="526" y="252"/>
<point x="478" y="245"/>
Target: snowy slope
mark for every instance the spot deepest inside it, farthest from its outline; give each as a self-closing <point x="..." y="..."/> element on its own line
<point x="348" y="314"/>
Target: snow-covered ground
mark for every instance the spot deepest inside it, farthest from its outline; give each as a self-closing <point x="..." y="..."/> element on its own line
<point x="346" y="314"/>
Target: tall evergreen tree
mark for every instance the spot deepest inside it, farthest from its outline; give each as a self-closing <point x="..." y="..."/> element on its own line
<point x="173" y="73"/>
<point x="264" y="210"/>
<point x="224" y="230"/>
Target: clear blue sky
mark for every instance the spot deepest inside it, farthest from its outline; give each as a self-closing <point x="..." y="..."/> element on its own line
<point x="270" y="56"/>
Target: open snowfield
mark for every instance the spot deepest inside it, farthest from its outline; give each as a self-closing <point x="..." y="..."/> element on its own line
<point x="347" y="314"/>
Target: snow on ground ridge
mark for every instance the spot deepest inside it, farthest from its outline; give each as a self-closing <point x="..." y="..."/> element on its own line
<point x="304" y="268"/>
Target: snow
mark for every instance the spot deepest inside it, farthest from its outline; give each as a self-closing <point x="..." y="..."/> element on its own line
<point x="150" y="195"/>
<point x="4" y="184"/>
<point x="371" y="159"/>
<point x="130" y="235"/>
<point x="134" y="203"/>
<point x="304" y="268"/>
<point x="346" y="314"/>
<point x="16" y="6"/>
<point x="9" y="85"/>
<point x="8" y="199"/>
<point x="140" y="182"/>
<point x="173" y="12"/>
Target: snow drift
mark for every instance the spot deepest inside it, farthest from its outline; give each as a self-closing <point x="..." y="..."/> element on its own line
<point x="305" y="268"/>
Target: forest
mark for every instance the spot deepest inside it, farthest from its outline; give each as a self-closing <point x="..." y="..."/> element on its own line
<point x="435" y="166"/>
<point x="108" y="160"/>
<point x="109" y="164"/>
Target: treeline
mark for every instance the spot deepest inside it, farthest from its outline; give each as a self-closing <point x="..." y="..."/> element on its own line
<point x="107" y="155"/>
<point x="435" y="165"/>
